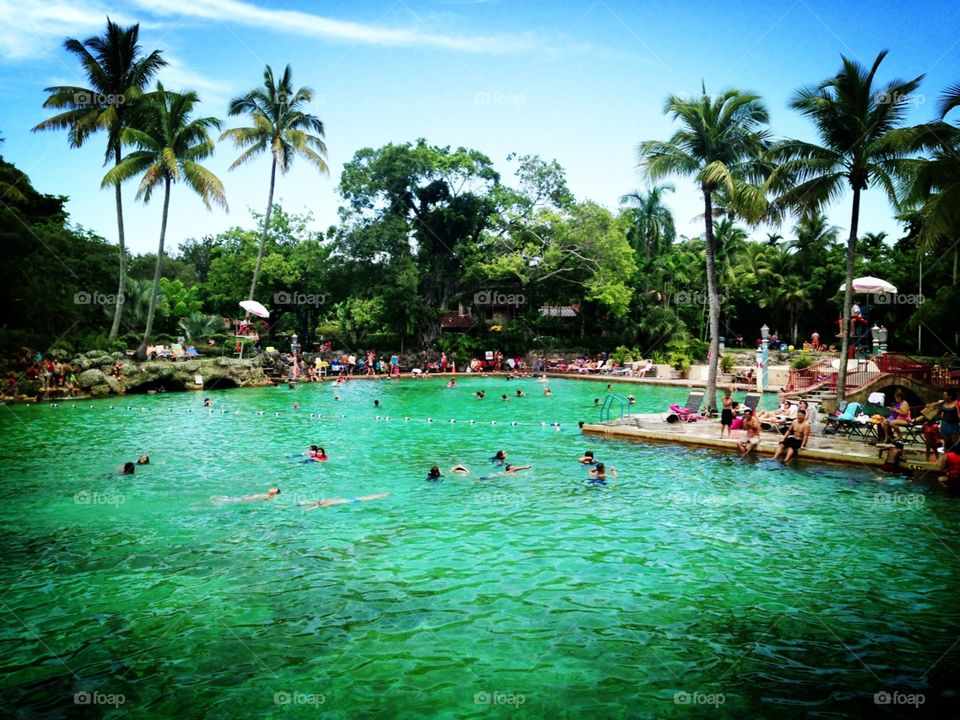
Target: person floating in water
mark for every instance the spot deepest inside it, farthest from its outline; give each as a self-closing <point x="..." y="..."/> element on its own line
<point x="587" y="458"/>
<point x="434" y="474"/>
<point x="500" y="458"/>
<point x="314" y="504"/>
<point x="296" y="405"/>
<point x="596" y="401"/>
<point x="143" y="460"/>
<point x="318" y="454"/>
<point x="459" y="470"/>
<point x="520" y="393"/>
<point x="207" y="402"/>
<point x="452" y="384"/>
<point x="504" y="397"/>
<point x="481" y="394"/>
<point x="128" y="469"/>
<point x="599" y="473"/>
<point x="546" y="392"/>
<point x="376" y="403"/>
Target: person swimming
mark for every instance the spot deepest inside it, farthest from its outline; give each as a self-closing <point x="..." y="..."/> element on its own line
<point x="128" y="469"/>
<point x="546" y="392"/>
<point x="520" y="393"/>
<point x="434" y="473"/>
<point x="314" y="504"/>
<point x="481" y="394"/>
<point x="510" y="469"/>
<point x="376" y="403"/>
<point x="504" y="397"/>
<point x="143" y="460"/>
<point x="459" y="470"/>
<point x="207" y="402"/>
<point x="268" y="495"/>
<point x="318" y="454"/>
<point x="452" y="384"/>
<point x="599" y="474"/>
<point x="500" y="458"/>
<point x="587" y="458"/>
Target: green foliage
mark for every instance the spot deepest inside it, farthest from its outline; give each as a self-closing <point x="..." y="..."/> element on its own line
<point x="803" y="360"/>
<point x="726" y="363"/>
<point x="198" y="327"/>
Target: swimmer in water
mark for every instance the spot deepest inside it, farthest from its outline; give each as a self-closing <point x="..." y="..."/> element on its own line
<point x="143" y="460"/>
<point x="596" y="401"/>
<point x="452" y="384"/>
<point x="296" y="405"/>
<point x="434" y="473"/>
<point x="459" y="470"/>
<point x="546" y="392"/>
<point x="207" y="402"/>
<point x="599" y="473"/>
<point x="128" y="469"/>
<point x="376" y="403"/>
<point x="587" y="458"/>
<point x="510" y="469"/>
<point x="481" y="394"/>
<point x="268" y="495"/>
<point x="520" y="393"/>
<point x="631" y="400"/>
<point x="500" y="458"/>
<point x="314" y="504"/>
<point x="504" y="397"/>
<point x="336" y="397"/>
<point x="318" y="455"/>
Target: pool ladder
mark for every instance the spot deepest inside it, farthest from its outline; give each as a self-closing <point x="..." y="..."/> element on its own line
<point x="607" y="411"/>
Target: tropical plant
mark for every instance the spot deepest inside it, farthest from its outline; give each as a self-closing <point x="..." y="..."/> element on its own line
<point x="651" y="222"/>
<point x="281" y="127"/>
<point x="861" y="146"/>
<point x="117" y="73"/>
<point x="197" y="326"/>
<point x="720" y="144"/>
<point x="169" y="145"/>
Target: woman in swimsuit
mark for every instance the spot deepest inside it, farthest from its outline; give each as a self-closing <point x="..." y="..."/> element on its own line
<point x="949" y="418"/>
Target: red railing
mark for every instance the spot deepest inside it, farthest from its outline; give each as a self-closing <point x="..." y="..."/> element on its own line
<point x="900" y="364"/>
<point x="820" y="373"/>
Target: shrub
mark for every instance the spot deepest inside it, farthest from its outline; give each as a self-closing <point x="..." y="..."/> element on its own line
<point x="726" y="363"/>
<point x="803" y="360"/>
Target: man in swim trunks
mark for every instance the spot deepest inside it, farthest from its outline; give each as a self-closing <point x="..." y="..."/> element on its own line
<point x="751" y="424"/>
<point x="599" y="474"/>
<point x="726" y="414"/>
<point x="314" y="504"/>
<point x="796" y="438"/>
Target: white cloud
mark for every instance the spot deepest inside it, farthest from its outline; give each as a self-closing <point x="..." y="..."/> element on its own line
<point x="301" y="23"/>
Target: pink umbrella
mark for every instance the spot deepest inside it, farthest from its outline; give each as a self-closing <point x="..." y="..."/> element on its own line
<point x="870" y="284"/>
<point x="255" y="308"/>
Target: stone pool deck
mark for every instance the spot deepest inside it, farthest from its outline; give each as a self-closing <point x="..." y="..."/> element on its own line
<point x="822" y="448"/>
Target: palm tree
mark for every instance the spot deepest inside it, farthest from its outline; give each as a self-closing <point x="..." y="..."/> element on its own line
<point x="117" y="73"/>
<point x="812" y="236"/>
<point x="719" y="144"/>
<point x="652" y="222"/>
<point x="281" y="127"/>
<point x="169" y="143"/>
<point x="861" y="146"/>
<point x="198" y="326"/>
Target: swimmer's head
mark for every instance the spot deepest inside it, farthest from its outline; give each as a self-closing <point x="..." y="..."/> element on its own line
<point x="588" y="453"/>
<point x="273" y="491"/>
<point x="434" y="472"/>
<point x="507" y="467"/>
<point x="376" y="403"/>
<point x="601" y="468"/>
<point x="128" y="468"/>
<point x="501" y="455"/>
<point x="143" y="460"/>
<point x="313" y="448"/>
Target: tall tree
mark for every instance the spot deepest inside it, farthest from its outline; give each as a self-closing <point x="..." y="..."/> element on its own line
<point x="861" y="146"/>
<point x="282" y="127"/>
<point x="169" y="145"/>
<point x="720" y="144"/>
<point x="117" y="73"/>
<point x="652" y="228"/>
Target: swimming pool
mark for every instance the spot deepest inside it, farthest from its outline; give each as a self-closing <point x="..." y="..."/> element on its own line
<point x="697" y="583"/>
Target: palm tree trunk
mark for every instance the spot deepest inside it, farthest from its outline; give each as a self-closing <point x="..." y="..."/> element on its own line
<point x="848" y="298"/>
<point x="713" y="298"/>
<point x="266" y="229"/>
<point x="122" y="284"/>
<point x="156" y="273"/>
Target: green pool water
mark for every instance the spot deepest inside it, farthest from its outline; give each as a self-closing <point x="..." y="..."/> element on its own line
<point x="696" y="584"/>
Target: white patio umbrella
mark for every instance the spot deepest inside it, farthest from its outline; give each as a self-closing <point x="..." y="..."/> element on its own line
<point x="870" y="284"/>
<point x="255" y="308"/>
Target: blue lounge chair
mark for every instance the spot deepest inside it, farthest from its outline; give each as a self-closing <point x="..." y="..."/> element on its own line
<point x="843" y="423"/>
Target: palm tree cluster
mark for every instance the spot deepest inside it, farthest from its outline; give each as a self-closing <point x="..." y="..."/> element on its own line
<point x="167" y="141"/>
<point x="724" y="145"/>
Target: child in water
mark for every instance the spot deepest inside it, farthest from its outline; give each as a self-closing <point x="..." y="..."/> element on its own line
<point x="599" y="474"/>
<point x="587" y="458"/>
<point x="434" y="474"/>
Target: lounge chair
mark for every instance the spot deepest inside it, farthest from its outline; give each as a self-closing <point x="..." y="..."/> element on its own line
<point x="690" y="411"/>
<point x="192" y="352"/>
<point x="752" y="400"/>
<point x="640" y="369"/>
<point x="842" y="424"/>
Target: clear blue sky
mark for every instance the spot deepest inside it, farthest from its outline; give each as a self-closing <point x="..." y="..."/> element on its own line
<point x="581" y="82"/>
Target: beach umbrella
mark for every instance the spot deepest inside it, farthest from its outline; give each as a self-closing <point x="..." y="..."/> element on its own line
<point x="870" y="284"/>
<point x="255" y="308"/>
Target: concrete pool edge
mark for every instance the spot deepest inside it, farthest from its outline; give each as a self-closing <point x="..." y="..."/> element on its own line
<point x="831" y="450"/>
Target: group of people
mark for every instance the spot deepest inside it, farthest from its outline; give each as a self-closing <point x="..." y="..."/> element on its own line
<point x="53" y="377"/>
